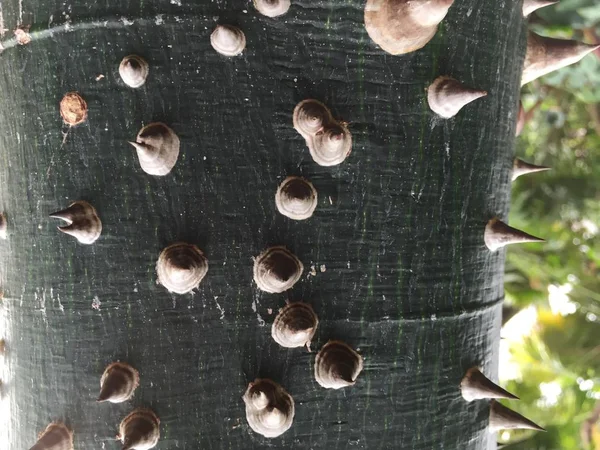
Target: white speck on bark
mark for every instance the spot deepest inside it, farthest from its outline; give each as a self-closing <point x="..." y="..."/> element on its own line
<point x="2" y="29"/>
<point x="220" y="308"/>
<point x="261" y="322"/>
<point x="60" y="305"/>
<point x="42" y="299"/>
<point x="96" y="303"/>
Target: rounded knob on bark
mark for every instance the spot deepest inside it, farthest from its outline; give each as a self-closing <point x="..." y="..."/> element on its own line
<point x="337" y="365"/>
<point x="228" y="40"/>
<point x="157" y="148"/>
<point x="295" y="325"/>
<point x="310" y="116"/>
<point x="140" y="430"/>
<point x="403" y="26"/>
<point x="296" y="198"/>
<point x="269" y="408"/>
<point x="272" y="8"/>
<point x="118" y="383"/>
<point x="134" y="71"/>
<point x="331" y="145"/>
<point x="82" y="220"/>
<point x="181" y="267"/>
<point x="277" y="270"/>
<point x="328" y="140"/>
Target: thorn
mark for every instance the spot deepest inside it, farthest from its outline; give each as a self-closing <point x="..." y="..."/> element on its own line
<point x="476" y="386"/>
<point x="70" y="229"/>
<point x="82" y="220"/>
<point x="498" y="234"/>
<point x="545" y="55"/>
<point x="118" y="383"/>
<point x="530" y="6"/>
<point x="3" y="226"/>
<point x="337" y="365"/>
<point x="55" y="436"/>
<point x="447" y="96"/>
<point x="521" y="167"/>
<point x="521" y="119"/>
<point x="65" y="215"/>
<point x="140" y="429"/>
<point x="503" y="418"/>
<point x="141" y="148"/>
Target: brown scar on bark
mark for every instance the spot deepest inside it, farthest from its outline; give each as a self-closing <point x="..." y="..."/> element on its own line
<point x="22" y="34"/>
<point x="73" y="109"/>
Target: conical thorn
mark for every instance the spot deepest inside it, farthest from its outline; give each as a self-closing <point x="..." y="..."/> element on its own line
<point x="503" y="418"/>
<point x="447" y="96"/>
<point x="141" y="148"/>
<point x="82" y="222"/>
<point x="56" y="436"/>
<point x="545" y="55"/>
<point x="521" y="167"/>
<point x="476" y="386"/>
<point x="530" y="6"/>
<point x="65" y="215"/>
<point x="498" y="234"/>
<point x="69" y="229"/>
<point x="521" y="119"/>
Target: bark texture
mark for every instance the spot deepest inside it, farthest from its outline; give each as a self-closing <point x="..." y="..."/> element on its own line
<point x="399" y="267"/>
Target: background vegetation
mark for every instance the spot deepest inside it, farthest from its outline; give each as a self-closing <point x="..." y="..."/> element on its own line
<point x="551" y="350"/>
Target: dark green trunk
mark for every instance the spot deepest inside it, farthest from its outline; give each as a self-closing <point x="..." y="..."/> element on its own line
<point x="400" y="267"/>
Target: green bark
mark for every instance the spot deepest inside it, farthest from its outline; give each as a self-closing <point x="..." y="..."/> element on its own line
<point x="399" y="226"/>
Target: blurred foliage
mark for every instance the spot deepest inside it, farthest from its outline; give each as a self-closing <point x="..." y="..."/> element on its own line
<point x="558" y="376"/>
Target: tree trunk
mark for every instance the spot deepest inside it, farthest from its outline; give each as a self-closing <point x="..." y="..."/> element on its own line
<point x="394" y="257"/>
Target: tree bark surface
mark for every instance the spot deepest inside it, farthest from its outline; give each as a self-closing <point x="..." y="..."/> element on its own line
<point x="395" y="262"/>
